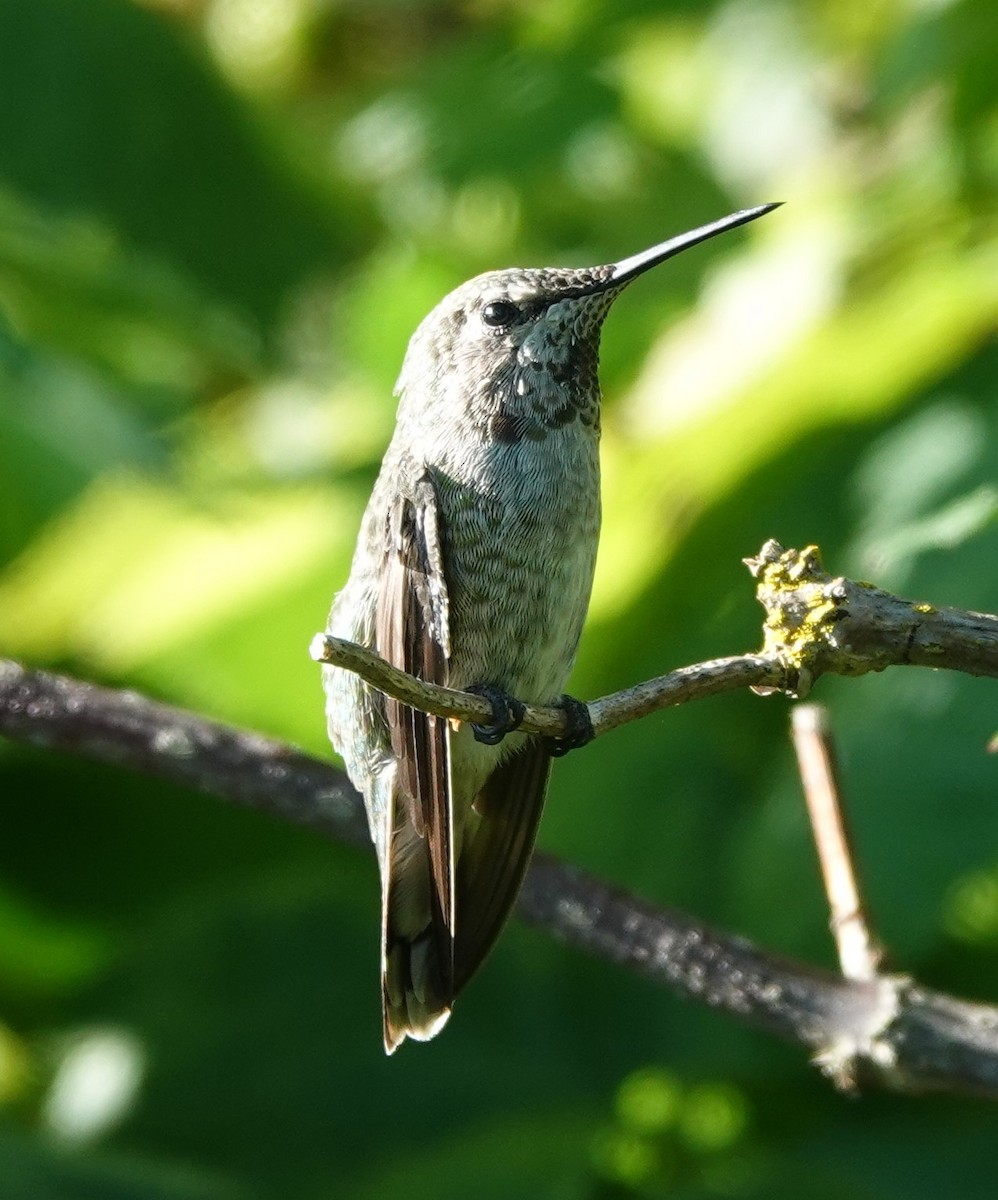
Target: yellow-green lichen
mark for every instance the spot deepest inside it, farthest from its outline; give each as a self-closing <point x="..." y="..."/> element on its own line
<point x="795" y="633"/>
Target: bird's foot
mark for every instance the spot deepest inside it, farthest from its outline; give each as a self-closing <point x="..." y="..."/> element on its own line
<point x="507" y="713"/>
<point x="580" y="728"/>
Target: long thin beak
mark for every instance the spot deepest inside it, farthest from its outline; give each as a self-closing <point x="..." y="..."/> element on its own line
<point x="630" y="268"/>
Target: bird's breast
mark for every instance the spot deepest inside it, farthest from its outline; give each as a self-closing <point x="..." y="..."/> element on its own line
<point x="521" y="526"/>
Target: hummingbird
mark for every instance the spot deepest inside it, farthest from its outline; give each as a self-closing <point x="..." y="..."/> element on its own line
<point x="473" y="569"/>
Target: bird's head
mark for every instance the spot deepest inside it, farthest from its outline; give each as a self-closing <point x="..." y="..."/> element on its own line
<point x="521" y="345"/>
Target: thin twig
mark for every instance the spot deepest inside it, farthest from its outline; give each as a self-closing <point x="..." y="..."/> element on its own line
<point x="815" y="624"/>
<point x="859" y="954"/>
<point x="678" y="687"/>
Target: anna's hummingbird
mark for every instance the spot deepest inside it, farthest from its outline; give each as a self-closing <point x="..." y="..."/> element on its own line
<point x="473" y="569"/>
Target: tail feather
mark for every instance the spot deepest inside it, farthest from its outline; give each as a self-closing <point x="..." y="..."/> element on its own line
<point x="425" y="959"/>
<point x="416" y="1004"/>
<point x="417" y="967"/>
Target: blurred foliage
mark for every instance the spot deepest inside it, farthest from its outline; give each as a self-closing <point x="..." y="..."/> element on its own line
<point x="220" y="220"/>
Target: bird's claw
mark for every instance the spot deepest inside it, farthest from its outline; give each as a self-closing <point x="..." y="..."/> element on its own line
<point x="579" y="732"/>
<point x="507" y="713"/>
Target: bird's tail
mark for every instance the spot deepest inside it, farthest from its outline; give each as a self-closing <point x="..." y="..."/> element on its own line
<point x="417" y="951"/>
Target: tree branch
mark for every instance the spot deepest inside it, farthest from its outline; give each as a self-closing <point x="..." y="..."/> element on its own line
<point x="818" y="625"/>
<point x="886" y="1030"/>
<point x="815" y="625"/>
<point x="860" y="955"/>
<point x="678" y="687"/>
<point x="128" y="730"/>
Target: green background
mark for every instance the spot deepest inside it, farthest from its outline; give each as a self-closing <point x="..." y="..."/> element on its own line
<point x="220" y="220"/>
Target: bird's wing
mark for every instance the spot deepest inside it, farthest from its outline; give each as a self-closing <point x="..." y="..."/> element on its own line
<point x="495" y="850"/>
<point x="411" y="632"/>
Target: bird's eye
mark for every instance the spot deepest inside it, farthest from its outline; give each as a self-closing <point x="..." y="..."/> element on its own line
<point x="500" y="312"/>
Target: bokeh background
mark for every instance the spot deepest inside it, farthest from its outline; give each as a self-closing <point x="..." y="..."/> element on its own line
<point x="220" y="220"/>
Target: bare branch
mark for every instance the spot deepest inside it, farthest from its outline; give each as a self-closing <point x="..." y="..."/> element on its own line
<point x="678" y="687"/>
<point x="859" y="955"/>
<point x="886" y="1031"/>
<point x="814" y="625"/>
<point x="134" y="732"/>
<point x="900" y="1035"/>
